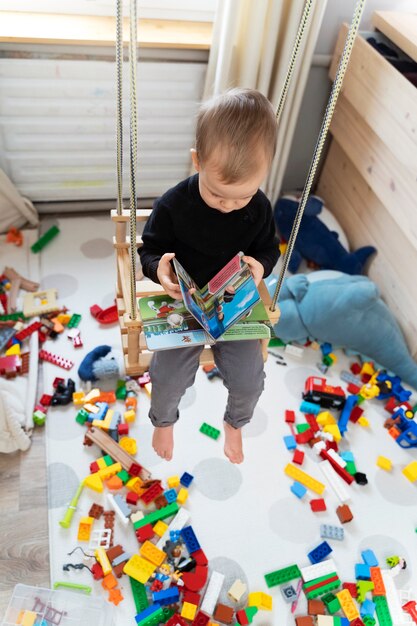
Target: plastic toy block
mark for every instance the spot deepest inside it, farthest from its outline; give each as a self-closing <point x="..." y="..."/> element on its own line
<point x="210" y="431"/>
<point x="369" y="621"/>
<point x="124" y="476"/>
<point x="376" y="578"/>
<point x="94" y="482"/>
<point x="176" y="620"/>
<point x="298" y="489"/>
<point x="120" y="507"/>
<point x="351" y="587"/>
<point x="304" y="620"/>
<point x="357" y="622"/>
<point x="200" y="619"/>
<point x="171" y="495"/>
<point x="200" y="557"/>
<point x="132" y="498"/>
<point x="144" y="533"/>
<point x="26" y="618"/>
<point x="281" y="576"/>
<point x="109" y="471"/>
<point x="103" y="560"/>
<point x="320" y="553"/>
<point x="66" y="364"/>
<point x="347" y="604"/>
<point x="45" y="239"/>
<point x="114" y="483"/>
<point x="367" y="608"/>
<point x="318" y="571"/>
<point x="369" y="558"/>
<point x="290" y="417"/>
<point x="309" y="407"/>
<point x="109" y="581"/>
<point x="298" y="457"/>
<point x="362" y="571"/>
<point x="182" y="495"/>
<point x="317" y="505"/>
<point x="192" y="597"/>
<point x="129" y="416"/>
<point x="321" y="588"/>
<point x="261" y="600"/>
<point x="160" y="528"/>
<point x="84" y="528"/>
<point x="139" y="568"/>
<point x="344" y="514"/>
<point x="410" y="608"/>
<point x="39" y="418"/>
<point x="166" y="596"/>
<point x="328" y="531"/>
<point x="237" y="590"/>
<point x="223" y="613"/>
<point x="384" y="463"/>
<point x="173" y="481"/>
<point x="288" y="593"/>
<point x="316" y="607"/>
<point x="151" y="616"/>
<point x="129" y="444"/>
<point x="305" y="479"/>
<point x="149" y="551"/>
<point x="290" y="443"/>
<point x="212" y="592"/>
<point x="194" y="581"/>
<point x="362" y="588"/>
<point x="188" y="610"/>
<point x="153" y="492"/>
<point x="382" y="611"/>
<point x="190" y="539"/>
<point x="332" y="603"/>
<point x="410" y="471"/>
<point x="325" y="620"/>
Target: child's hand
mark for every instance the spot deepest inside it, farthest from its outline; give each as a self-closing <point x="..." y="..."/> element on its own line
<point x="167" y="277"/>
<point x="256" y="268"/>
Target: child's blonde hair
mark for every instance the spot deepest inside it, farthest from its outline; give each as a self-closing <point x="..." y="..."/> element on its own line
<point x="241" y="125"/>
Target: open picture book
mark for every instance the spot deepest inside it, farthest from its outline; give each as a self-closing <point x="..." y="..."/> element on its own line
<point x="228" y="308"/>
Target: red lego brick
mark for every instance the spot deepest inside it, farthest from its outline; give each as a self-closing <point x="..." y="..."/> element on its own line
<point x="290" y="417"/>
<point x="353" y="389"/>
<point x="132" y="498"/>
<point x="26" y="332"/>
<point x="194" y="581"/>
<point x="357" y="622"/>
<point x="312" y="422"/>
<point x="223" y="614"/>
<point x="355" y="368"/>
<point x="317" y="505"/>
<point x="144" y="533"/>
<point x="200" y="557"/>
<point x="332" y="445"/>
<point x="348" y="478"/>
<point x="160" y="501"/>
<point x="355" y="414"/>
<point x="153" y="492"/>
<point x="135" y="469"/>
<point x="316" y="607"/>
<point x="123" y="429"/>
<point x="97" y="571"/>
<point x="94" y="467"/>
<point x="344" y="513"/>
<point x="176" y="620"/>
<point x="201" y="619"/>
<point x="390" y="404"/>
<point x="56" y="359"/>
<point x="298" y="457"/>
<point x="46" y="399"/>
<point x="191" y="596"/>
<point x="304" y="437"/>
<point x="95" y="310"/>
<point x="242" y="618"/>
<point x="351" y="587"/>
<point x="365" y="378"/>
<point x="58" y="381"/>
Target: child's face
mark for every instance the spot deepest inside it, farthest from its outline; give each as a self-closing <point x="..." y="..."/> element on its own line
<point x="227" y="197"/>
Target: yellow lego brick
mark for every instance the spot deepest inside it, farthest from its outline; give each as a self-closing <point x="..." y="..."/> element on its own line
<point x="104" y="424"/>
<point x="135" y="485"/>
<point x="410" y="471"/>
<point x="101" y="557"/>
<point x="84" y="528"/>
<point x="367" y="368"/>
<point x="347" y="604"/>
<point x="363" y="421"/>
<point x="101" y="463"/>
<point x="333" y="357"/>
<point x="173" y="481"/>
<point x="325" y="418"/>
<point x="148" y="388"/>
<point x="91" y="408"/>
<point x="149" y="551"/>
<point x="129" y="444"/>
<point x="92" y="395"/>
<point x="129" y="416"/>
<point x="160" y="528"/>
<point x="261" y="600"/>
<point x="333" y="429"/>
<point x="78" y="397"/>
<point x="182" y="495"/>
<point x="94" y="482"/>
<point x="26" y="618"/>
<point x="109" y="471"/>
<point x="305" y="479"/>
<point x="188" y="610"/>
<point x="138" y="568"/>
<point x="13" y="350"/>
<point x="384" y="463"/>
<point x="63" y="318"/>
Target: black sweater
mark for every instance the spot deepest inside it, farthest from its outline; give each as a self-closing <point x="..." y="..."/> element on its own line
<point x="205" y="239"/>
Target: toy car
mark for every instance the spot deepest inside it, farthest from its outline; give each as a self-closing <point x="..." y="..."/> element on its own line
<point x="318" y="391"/>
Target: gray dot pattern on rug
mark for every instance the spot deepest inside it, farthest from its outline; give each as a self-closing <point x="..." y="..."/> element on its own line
<point x="217" y="479"/>
<point x="257" y="425"/>
<point x="62" y="485"/>
<point x="395" y="488"/>
<point x="384" y="546"/>
<point x="295" y="379"/>
<point x="232" y="571"/>
<point x="97" y="248"/>
<point x="65" y="284"/>
<point x="289" y="518"/>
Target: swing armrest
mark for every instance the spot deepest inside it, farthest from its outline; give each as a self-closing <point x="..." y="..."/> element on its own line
<point x="267" y="300"/>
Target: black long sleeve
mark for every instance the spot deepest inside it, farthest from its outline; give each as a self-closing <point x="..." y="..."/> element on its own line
<point x="205" y="239"/>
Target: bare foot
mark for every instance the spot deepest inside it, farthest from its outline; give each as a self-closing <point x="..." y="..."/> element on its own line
<point x="233" y="444"/>
<point x="163" y="441"/>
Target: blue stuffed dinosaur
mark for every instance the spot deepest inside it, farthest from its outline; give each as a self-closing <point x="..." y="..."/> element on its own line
<point x="315" y="242"/>
<point x="346" y="311"/>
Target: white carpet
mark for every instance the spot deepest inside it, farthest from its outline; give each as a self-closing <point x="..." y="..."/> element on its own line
<point x="245" y="517"/>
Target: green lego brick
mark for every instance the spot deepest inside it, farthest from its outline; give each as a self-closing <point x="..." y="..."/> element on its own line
<point x="361" y="399"/>
<point x="167" y="614"/>
<point x="108" y="460"/>
<point x="74" y="321"/>
<point x="121" y="391"/>
<point x="14" y="317"/>
<point x="46" y="238"/>
<point x="382" y="611"/>
<point x="327" y="360"/>
<point x="362" y="588"/>
<point x="124" y="476"/>
<point x="368" y="620"/>
<point x="281" y="576"/>
<point x="301" y="428"/>
<point x="139" y="595"/>
<point x="82" y="416"/>
<point x="276" y="342"/>
<point x="332" y="603"/>
<point x="39" y="418"/>
<point x="155" y="516"/>
<point x="315" y="593"/>
<point x="210" y="431"/>
<point x="320" y="579"/>
<point x="351" y="468"/>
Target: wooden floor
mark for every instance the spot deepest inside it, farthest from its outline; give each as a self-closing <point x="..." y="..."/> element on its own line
<point x="24" y="551"/>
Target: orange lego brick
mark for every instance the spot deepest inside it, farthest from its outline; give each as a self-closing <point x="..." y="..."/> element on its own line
<point x="109" y="582"/>
<point x="376" y="577"/>
<point x="149" y="551"/>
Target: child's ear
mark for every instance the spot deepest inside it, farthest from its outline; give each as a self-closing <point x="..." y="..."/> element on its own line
<point x="195" y="160"/>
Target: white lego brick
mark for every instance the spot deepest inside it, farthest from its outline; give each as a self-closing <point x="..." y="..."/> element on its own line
<point x="122" y="517"/>
<point x="336" y="457"/>
<point x="294" y="350"/>
<point x="398" y="616"/>
<point x="324" y="620"/>
<point x="318" y="569"/>
<point x="100" y="538"/>
<point x="178" y="523"/>
<point x="334" y="481"/>
<point x="318" y="447"/>
<point x="212" y="593"/>
<point x="136" y="516"/>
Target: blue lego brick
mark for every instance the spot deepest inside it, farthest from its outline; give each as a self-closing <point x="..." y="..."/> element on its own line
<point x="190" y="539"/>
<point x="351" y="402"/>
<point x="115" y="420"/>
<point x="362" y="571"/>
<point x="369" y="558"/>
<point x="146" y="613"/>
<point x="289" y="593"/>
<point x="368" y="608"/>
<point x="347" y="456"/>
<point x="298" y="489"/>
<point x="290" y="442"/>
<point x="327" y="531"/>
<point x="170" y="495"/>
<point x="166" y="596"/>
<point x="326" y="348"/>
<point x="310" y="407"/>
<point x="103" y="406"/>
<point x="186" y="479"/>
<point x="320" y="552"/>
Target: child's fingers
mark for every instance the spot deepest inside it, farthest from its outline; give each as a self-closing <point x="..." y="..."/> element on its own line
<point x="230" y="289"/>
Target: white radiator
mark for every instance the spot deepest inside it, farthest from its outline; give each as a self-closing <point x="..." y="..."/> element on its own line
<point x="58" y="121"/>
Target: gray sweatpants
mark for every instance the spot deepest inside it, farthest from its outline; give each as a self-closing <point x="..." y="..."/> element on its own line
<point x="173" y="371"/>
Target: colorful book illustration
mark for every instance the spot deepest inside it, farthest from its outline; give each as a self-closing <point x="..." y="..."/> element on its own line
<point x="228" y="308"/>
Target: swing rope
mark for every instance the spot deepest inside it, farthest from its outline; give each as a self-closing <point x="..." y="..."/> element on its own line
<point x="119" y="116"/>
<point x="341" y="70"/>
<point x="133" y="155"/>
